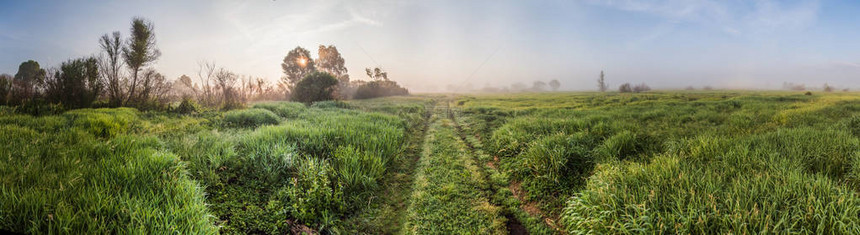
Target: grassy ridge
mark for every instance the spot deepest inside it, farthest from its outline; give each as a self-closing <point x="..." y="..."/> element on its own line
<point x="447" y="196"/>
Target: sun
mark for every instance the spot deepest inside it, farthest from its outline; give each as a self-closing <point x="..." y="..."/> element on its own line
<point x="303" y="61"/>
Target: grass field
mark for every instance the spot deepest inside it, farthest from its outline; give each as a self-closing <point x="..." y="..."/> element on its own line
<point x="539" y="163"/>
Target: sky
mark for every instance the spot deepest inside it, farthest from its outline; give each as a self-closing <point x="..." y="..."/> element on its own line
<point x="430" y="45"/>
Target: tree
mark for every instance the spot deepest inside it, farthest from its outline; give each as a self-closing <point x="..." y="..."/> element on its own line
<point x="625" y="88"/>
<point x="111" y="67"/>
<point x="226" y="80"/>
<point x="377" y="74"/>
<point x="331" y="62"/>
<point x="641" y="87"/>
<point x="538" y="86"/>
<point x="554" y="84"/>
<point x="76" y="84"/>
<point x="139" y="51"/>
<point x="26" y="82"/>
<point x="297" y="64"/>
<point x="828" y="88"/>
<point x="316" y="86"/>
<point x="601" y="82"/>
<point x="5" y="88"/>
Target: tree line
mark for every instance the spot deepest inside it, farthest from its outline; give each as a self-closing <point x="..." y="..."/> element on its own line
<point x="122" y="74"/>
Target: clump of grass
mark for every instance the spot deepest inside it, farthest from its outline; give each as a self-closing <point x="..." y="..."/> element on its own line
<point x="283" y="109"/>
<point x="74" y="181"/>
<point x="250" y="118"/>
<point x="784" y="182"/>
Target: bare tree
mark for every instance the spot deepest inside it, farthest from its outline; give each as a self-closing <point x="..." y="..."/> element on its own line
<point x="206" y="75"/>
<point x="111" y="67"/>
<point x="601" y="82"/>
<point x="538" y="86"/>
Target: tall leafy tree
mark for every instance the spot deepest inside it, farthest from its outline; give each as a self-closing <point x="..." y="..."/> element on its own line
<point x="139" y="51"/>
<point x="332" y="62"/>
<point x="26" y="82"/>
<point x="111" y="65"/>
<point x="296" y="65"/>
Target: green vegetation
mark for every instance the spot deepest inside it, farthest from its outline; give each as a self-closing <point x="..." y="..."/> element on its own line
<point x="651" y="162"/>
<point x="447" y="198"/>
<point x="685" y="162"/>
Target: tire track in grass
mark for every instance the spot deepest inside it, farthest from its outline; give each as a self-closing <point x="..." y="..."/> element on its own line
<point x="448" y="195"/>
<point x="518" y="220"/>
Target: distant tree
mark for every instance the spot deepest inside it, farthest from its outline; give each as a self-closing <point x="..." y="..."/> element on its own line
<point x="793" y="87"/>
<point x="297" y="64"/>
<point x="139" y="52"/>
<point x="554" y="84"/>
<point x="376" y="74"/>
<point x="517" y="87"/>
<point x="539" y="86"/>
<point x="5" y="88"/>
<point x="641" y="88"/>
<point x="624" y="88"/>
<point x="76" y="84"/>
<point x="828" y="88"/>
<point x="380" y="86"/>
<point x="111" y="65"/>
<point x="26" y="82"/>
<point x="601" y="83"/>
<point x="316" y="86"/>
<point x="206" y="76"/>
<point x="330" y="61"/>
<point x="707" y="88"/>
<point x="690" y="88"/>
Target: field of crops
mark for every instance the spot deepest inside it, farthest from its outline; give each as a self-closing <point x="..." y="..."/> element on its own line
<point x="539" y="163"/>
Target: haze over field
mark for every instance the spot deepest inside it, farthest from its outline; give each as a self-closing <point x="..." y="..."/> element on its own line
<point x="429" y="45"/>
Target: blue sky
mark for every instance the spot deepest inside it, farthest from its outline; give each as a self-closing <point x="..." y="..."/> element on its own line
<point x="428" y="45"/>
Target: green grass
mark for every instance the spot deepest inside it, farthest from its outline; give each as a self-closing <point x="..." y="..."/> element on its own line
<point x="447" y="197"/>
<point x="679" y="162"/>
<point x="600" y="163"/>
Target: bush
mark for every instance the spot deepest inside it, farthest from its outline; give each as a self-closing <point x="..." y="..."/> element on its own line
<point x="379" y="88"/>
<point x="187" y="106"/>
<point x="316" y="86"/>
<point x="250" y="118"/>
<point x="313" y="197"/>
<point x="625" y="88"/>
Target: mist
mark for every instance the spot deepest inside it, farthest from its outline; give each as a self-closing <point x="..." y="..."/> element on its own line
<point x="444" y="46"/>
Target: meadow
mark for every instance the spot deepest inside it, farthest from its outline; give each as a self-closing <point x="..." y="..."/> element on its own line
<point x="538" y="163"/>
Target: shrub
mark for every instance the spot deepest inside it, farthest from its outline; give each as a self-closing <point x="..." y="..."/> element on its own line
<point x="76" y="85"/>
<point x="187" y="106"/>
<point x="316" y="86"/>
<point x="250" y="118"/>
<point x="379" y="88"/>
<point x="313" y="197"/>
<point x="625" y="88"/>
